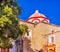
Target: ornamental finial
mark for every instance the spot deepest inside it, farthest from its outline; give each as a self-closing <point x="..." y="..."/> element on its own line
<point x="36" y="11"/>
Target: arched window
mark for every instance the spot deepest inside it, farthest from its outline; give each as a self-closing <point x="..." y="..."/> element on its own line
<point x="29" y="33"/>
<point x="51" y="39"/>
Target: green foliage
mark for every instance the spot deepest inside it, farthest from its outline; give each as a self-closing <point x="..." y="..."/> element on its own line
<point x="4" y="20"/>
<point x="9" y="28"/>
<point x="5" y="42"/>
<point x="23" y="29"/>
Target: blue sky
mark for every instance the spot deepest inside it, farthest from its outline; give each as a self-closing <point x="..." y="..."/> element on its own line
<point x="50" y="8"/>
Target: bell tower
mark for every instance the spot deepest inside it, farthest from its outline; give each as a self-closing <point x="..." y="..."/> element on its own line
<point x="51" y="46"/>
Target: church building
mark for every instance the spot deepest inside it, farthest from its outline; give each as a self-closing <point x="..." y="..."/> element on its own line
<point x="41" y="36"/>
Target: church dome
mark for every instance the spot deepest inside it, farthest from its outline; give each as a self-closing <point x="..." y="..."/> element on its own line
<point x="37" y="17"/>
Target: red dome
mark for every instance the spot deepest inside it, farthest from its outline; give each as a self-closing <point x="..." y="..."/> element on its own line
<point x="38" y="17"/>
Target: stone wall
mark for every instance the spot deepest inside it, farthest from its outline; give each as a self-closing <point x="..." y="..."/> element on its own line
<point x="39" y="37"/>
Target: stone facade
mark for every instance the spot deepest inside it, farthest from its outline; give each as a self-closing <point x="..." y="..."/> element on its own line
<point x="39" y="38"/>
<point x="42" y="36"/>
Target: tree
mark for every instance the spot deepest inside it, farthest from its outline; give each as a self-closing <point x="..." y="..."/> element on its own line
<point x="23" y="29"/>
<point x="9" y="28"/>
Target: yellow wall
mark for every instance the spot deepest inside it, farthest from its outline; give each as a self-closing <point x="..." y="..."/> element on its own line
<point x="39" y="36"/>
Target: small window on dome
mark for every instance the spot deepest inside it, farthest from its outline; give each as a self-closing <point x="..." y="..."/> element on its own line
<point x="35" y="22"/>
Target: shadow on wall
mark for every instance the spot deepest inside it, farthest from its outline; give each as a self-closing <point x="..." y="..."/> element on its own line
<point x="27" y="46"/>
<point x="41" y="50"/>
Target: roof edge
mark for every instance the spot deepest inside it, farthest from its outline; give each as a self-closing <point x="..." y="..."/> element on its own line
<point x="40" y="22"/>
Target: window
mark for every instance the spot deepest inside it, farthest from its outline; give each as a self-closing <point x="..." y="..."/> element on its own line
<point x="51" y="38"/>
<point x="29" y="33"/>
<point x="36" y="22"/>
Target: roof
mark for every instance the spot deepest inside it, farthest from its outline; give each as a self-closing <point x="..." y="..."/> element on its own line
<point x="40" y="22"/>
<point x="36" y="14"/>
<point x="37" y="17"/>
